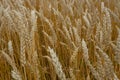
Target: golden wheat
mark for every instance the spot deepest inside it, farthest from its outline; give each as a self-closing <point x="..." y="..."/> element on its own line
<point x="59" y="40"/>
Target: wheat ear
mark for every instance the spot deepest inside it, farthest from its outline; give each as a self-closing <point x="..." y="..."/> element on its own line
<point x="57" y="64"/>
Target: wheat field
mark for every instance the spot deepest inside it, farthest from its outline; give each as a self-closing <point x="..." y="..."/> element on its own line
<point x="59" y="39"/>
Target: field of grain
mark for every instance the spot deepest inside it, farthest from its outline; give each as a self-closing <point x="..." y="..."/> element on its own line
<point x="59" y="39"/>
